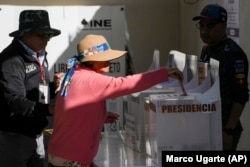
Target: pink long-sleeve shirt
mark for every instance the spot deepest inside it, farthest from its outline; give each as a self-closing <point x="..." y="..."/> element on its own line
<point x="79" y="117"/>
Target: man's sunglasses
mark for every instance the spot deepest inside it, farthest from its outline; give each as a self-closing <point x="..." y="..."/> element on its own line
<point x="43" y="35"/>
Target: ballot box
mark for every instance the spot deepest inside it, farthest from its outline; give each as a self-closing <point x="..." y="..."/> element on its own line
<point x="135" y="117"/>
<point x="184" y="123"/>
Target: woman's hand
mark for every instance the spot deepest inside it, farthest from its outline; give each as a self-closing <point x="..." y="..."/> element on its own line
<point x="111" y="117"/>
<point x="175" y="73"/>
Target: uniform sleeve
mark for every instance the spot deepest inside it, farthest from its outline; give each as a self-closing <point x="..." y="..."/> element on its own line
<point x="240" y="78"/>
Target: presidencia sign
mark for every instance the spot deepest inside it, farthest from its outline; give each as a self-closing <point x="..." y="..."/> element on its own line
<point x="186" y="123"/>
<point x="74" y="22"/>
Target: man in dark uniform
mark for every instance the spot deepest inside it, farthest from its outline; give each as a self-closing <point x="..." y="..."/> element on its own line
<point x="25" y="91"/>
<point x="233" y="70"/>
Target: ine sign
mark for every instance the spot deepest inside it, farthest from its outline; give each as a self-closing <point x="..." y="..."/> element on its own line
<point x="74" y="22"/>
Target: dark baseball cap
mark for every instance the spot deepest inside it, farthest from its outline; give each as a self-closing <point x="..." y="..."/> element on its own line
<point x="212" y="12"/>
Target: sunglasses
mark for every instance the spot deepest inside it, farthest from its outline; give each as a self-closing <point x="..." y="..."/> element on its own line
<point x="43" y="35"/>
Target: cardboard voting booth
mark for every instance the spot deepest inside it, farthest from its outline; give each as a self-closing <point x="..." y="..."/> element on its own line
<point x="181" y="123"/>
<point x="184" y="123"/>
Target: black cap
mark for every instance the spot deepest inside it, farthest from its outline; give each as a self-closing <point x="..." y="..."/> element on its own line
<point x="34" y="20"/>
<point x="213" y="12"/>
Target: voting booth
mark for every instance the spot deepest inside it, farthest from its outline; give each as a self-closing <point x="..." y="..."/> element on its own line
<point x="185" y="123"/>
<point x="137" y="121"/>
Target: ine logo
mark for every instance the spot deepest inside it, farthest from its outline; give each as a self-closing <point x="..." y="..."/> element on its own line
<point x="102" y="24"/>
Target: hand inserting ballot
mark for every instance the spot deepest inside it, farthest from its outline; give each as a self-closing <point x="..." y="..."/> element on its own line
<point x="177" y="74"/>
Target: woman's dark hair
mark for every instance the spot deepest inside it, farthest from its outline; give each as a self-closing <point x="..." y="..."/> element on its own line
<point x="86" y="64"/>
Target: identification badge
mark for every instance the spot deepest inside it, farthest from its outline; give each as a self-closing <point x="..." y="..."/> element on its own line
<point x="44" y="93"/>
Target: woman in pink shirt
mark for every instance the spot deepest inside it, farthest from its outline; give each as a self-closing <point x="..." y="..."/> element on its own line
<point x="80" y="109"/>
